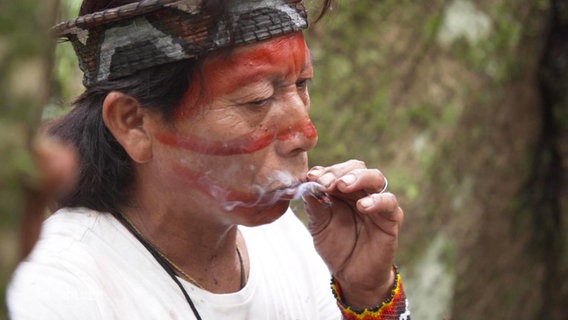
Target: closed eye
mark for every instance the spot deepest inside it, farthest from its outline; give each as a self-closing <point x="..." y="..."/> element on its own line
<point x="259" y="102"/>
<point x="303" y="83"/>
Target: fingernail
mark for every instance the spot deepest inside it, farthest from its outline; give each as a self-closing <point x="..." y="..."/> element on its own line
<point x="367" y="202"/>
<point x="315" y="173"/>
<point x="326" y="180"/>
<point x="348" y="179"/>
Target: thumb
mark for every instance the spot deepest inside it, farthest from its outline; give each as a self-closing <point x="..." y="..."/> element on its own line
<point x="317" y="212"/>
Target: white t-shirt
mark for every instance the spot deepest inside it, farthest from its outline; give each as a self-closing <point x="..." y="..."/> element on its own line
<point x="87" y="265"/>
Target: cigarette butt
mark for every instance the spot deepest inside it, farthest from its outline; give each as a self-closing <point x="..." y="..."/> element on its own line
<point x="322" y="198"/>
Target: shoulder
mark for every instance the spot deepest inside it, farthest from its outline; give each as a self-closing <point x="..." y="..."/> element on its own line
<point x="72" y="233"/>
<point x="86" y="265"/>
<point x="55" y="278"/>
<point x="53" y="288"/>
<point x="67" y="226"/>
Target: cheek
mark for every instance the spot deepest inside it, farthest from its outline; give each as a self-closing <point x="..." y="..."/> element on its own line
<point x="227" y="169"/>
<point x="231" y="178"/>
<point x="231" y="183"/>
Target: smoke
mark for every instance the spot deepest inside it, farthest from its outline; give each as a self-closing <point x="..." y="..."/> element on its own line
<point x="291" y="191"/>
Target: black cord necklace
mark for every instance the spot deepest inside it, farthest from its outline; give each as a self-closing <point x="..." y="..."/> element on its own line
<point x="165" y="264"/>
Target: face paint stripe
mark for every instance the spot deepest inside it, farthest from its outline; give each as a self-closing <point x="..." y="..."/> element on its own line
<point x="242" y="145"/>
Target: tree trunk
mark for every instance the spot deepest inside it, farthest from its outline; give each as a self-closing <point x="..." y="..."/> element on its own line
<point x="463" y="105"/>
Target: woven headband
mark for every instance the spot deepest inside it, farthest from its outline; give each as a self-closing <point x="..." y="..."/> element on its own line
<point x="121" y="41"/>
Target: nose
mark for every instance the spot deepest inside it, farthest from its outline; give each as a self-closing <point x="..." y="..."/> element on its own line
<point x="296" y="132"/>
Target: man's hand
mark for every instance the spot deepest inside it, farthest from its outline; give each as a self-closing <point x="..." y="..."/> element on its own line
<point x="357" y="235"/>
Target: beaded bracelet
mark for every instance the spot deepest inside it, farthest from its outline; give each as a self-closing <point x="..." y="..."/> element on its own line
<point x="395" y="307"/>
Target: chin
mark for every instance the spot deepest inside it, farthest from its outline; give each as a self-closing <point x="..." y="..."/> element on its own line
<point x="257" y="216"/>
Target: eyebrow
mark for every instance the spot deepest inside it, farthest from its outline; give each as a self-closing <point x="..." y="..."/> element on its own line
<point x="242" y="78"/>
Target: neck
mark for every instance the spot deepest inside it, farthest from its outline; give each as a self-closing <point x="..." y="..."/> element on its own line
<point x="204" y="251"/>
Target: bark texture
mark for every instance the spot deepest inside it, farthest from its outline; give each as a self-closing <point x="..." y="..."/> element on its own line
<point x="463" y="105"/>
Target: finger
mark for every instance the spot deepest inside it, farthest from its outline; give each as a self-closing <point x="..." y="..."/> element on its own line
<point x="384" y="210"/>
<point x="368" y="180"/>
<point x="319" y="215"/>
<point x="385" y="203"/>
<point x="327" y="176"/>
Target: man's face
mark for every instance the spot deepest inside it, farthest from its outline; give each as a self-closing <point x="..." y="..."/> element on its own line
<point x="242" y="131"/>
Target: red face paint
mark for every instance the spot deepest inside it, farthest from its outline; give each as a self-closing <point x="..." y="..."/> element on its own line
<point x="249" y="143"/>
<point x="280" y="60"/>
<point x="286" y="56"/>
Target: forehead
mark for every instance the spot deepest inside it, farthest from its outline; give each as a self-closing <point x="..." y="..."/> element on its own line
<point x="284" y="54"/>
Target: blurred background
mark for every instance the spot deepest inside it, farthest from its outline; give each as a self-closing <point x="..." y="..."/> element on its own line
<point x="462" y="104"/>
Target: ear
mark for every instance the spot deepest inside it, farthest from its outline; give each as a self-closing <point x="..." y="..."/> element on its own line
<point x="125" y="119"/>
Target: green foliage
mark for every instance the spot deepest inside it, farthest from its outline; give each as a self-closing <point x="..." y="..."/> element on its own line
<point x="14" y="27"/>
<point x="66" y="76"/>
<point x="495" y="55"/>
<point x="16" y="167"/>
<point x="21" y="65"/>
<point x="25" y="60"/>
<point x="436" y="110"/>
<point x="389" y="89"/>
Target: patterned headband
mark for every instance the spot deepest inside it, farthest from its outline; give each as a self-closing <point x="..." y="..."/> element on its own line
<point x="121" y="41"/>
